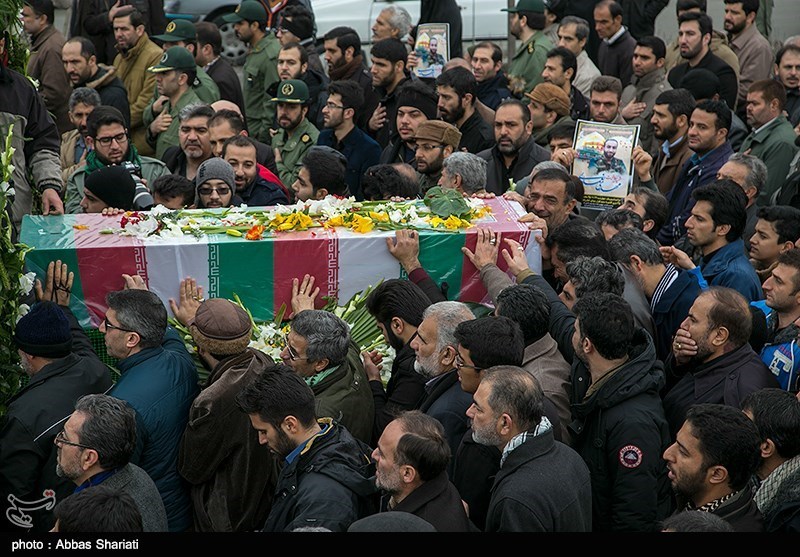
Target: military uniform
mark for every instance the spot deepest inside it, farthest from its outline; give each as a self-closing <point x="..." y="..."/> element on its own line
<point x="293" y="148"/>
<point x="602" y="164"/>
<point x="525" y="71"/>
<point x="260" y="72"/>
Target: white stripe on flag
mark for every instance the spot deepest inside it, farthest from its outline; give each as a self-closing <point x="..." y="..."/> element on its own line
<point x="169" y="264"/>
<point x="364" y="261"/>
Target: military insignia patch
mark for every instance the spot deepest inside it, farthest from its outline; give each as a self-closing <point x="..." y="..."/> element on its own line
<point x="530" y="48"/>
<point x="306" y="138"/>
<point x="287" y="89"/>
<point x="163" y="57"/>
<point x="171" y="27"/>
<point x="630" y="456"/>
<point x="236" y="11"/>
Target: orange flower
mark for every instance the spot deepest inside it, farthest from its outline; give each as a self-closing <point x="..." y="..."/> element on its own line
<point x="80" y="226"/>
<point x="255" y="233"/>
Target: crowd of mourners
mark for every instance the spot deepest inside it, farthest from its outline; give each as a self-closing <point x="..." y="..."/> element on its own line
<point x="645" y="379"/>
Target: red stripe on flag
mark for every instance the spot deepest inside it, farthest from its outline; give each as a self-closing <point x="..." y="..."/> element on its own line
<point x="299" y="253"/>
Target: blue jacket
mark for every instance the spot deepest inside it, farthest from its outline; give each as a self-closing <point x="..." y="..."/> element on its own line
<point x="492" y="91"/>
<point x="160" y="384"/>
<point x="694" y="174"/>
<point x="361" y="152"/>
<point x="671" y="309"/>
<point x="730" y="267"/>
<point x="781" y="353"/>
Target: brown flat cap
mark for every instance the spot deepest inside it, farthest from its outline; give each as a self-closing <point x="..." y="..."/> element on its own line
<point x="552" y="97"/>
<point x="440" y="132"/>
<point x="221" y="327"/>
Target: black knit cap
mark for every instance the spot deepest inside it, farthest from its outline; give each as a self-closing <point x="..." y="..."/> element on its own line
<point x="701" y="83"/>
<point x="44" y="331"/>
<point x="113" y="185"/>
<point x="418" y="96"/>
<point x="301" y="28"/>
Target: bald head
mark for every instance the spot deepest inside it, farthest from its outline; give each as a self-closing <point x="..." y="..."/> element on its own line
<point x="226" y="105"/>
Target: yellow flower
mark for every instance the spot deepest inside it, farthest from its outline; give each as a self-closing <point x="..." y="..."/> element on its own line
<point x="335" y="221"/>
<point x="436" y="222"/>
<point x="453" y="223"/>
<point x="303" y="221"/>
<point x="361" y="224"/>
<point x="379" y="217"/>
<point x="233" y="232"/>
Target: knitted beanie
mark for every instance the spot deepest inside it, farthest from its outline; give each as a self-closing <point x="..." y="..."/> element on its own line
<point x="113" y="185"/>
<point x="216" y="168"/>
<point x="419" y="97"/>
<point x="221" y="327"/>
<point x="44" y="331"/>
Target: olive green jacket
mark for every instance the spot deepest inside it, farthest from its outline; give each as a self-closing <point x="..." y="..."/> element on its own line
<point x="169" y="137"/>
<point x="293" y="149"/>
<point x="525" y="70"/>
<point x="260" y="72"/>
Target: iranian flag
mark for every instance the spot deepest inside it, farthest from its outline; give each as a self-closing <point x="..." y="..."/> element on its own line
<point x="259" y="272"/>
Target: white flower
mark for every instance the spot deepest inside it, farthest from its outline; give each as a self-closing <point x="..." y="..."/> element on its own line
<point x="26" y="282"/>
<point x="396" y="216"/>
<point x="22" y="311"/>
<point x="160" y="210"/>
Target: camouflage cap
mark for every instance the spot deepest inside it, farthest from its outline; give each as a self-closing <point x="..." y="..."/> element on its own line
<point x="292" y="91"/>
<point x="249" y="10"/>
<point x="178" y="30"/>
<point x="440" y="132"/>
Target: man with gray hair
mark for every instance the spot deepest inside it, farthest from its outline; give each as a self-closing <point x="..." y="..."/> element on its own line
<point x="194" y="141"/>
<point x="73" y="151"/>
<point x="159" y="381"/>
<point x="394" y="22"/>
<point x="671" y="291"/>
<point x="435" y="346"/>
<point x="319" y="349"/>
<point x="464" y="172"/>
<point x="95" y="448"/>
<point x="591" y="274"/>
<point x="573" y="34"/>
<point x="750" y="173"/>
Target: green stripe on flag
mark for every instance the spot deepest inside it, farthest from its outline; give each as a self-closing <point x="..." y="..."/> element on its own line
<point x="245" y="268"/>
<point x="440" y="255"/>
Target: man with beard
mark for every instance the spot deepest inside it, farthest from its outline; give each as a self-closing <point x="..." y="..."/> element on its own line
<point x="604" y="100"/>
<point x="416" y="103"/>
<point x="260" y="67"/>
<point x="411" y="459"/>
<point x="542" y="486"/>
<point x="515" y="152"/>
<point x="175" y="75"/>
<point x="193" y="146"/>
<point x="608" y="162"/>
<point x="216" y="185"/>
<point x="394" y="22"/>
<point x="95" y="447"/>
<point x="240" y="152"/>
<point x="109" y="144"/>
<point x="670" y="122"/>
<point x="388" y="73"/>
<point x="526" y="21"/>
<point x="322" y="173"/>
<point x="297" y="134"/>
<point x="345" y="61"/>
<point x="751" y="48"/>
<point x="44" y="63"/>
<point x="293" y="64"/>
<point x="232" y="474"/>
<point x="80" y="63"/>
<point x="136" y="53"/>
<point x="487" y="67"/>
<point x="229" y="121"/>
<point x="457" y="89"/>
<point x="712" y="462"/>
<point x="435" y="347"/>
<point x="61" y="365"/>
<point x="397" y="306"/>
<point x="297" y="26"/>
<point x="326" y="476"/>
<point x="73" y="149"/>
<point x="711" y="357"/>
<point x="694" y="37"/>
<point x="435" y="140"/>
<point x="787" y="72"/>
<point x="158" y="379"/>
<point x="619" y="426"/>
<point x="345" y="99"/>
<point x="549" y="105"/>
<point x="773" y="232"/>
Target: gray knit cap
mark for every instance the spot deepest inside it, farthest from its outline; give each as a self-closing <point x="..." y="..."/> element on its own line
<point x="216" y="168"/>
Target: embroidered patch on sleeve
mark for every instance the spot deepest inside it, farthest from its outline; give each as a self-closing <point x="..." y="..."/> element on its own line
<point x="630" y="456"/>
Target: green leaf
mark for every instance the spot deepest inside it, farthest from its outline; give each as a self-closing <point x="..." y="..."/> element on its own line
<point x="444" y="202"/>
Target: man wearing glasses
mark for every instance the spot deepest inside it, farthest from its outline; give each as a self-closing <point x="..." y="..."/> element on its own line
<point x="435" y="140"/>
<point x="109" y="144"/>
<point x="62" y="367"/>
<point x="159" y="381"/>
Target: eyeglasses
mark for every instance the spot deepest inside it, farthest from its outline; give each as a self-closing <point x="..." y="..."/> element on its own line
<point x="331" y="106"/>
<point x="417" y="335"/>
<point x="220" y="191"/>
<point x="428" y="147"/>
<point x="108" y="325"/>
<point x="460" y="363"/>
<point x="61" y="439"/>
<point x="293" y="355"/>
<point x="121" y="139"/>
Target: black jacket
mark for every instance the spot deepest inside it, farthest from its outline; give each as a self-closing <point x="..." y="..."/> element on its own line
<point x="111" y="90"/>
<point x="640" y="17"/>
<point x="579" y="108"/>
<point x="397" y="151"/>
<point x="404" y="391"/>
<point x="492" y="91"/>
<point x="497" y="175"/>
<point x="230" y="87"/>
<point x="260" y="193"/>
<point x="671" y="309"/>
<point x="33" y="418"/>
<point x="389" y="101"/>
<point x="616" y="59"/>
<point x="621" y="432"/>
<point x="476" y="134"/>
<point x="317" y="83"/>
<point x="443" y="11"/>
<point x="729" y="85"/>
<point x="437" y="501"/>
<point x="328" y="485"/>
<point x="446" y="401"/>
